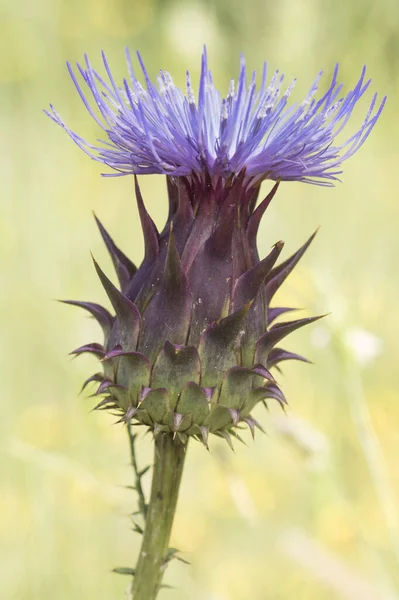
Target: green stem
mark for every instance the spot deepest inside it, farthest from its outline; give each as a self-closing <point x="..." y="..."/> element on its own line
<point x="153" y="558"/>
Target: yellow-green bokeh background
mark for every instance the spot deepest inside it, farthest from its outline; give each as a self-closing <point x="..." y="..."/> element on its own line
<point x="311" y="514"/>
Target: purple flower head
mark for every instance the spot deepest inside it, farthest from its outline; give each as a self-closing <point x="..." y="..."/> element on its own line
<point x="162" y="130"/>
<point x="192" y="337"/>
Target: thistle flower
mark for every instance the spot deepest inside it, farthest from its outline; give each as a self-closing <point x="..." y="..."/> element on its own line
<point x="164" y="131"/>
<point x="193" y="340"/>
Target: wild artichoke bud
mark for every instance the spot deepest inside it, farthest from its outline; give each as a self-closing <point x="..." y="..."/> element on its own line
<point x="193" y="336"/>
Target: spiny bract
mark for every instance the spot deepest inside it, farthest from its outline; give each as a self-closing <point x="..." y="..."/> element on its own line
<point x="192" y="343"/>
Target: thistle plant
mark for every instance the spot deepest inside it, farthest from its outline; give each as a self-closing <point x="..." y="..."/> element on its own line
<point x="192" y="340"/>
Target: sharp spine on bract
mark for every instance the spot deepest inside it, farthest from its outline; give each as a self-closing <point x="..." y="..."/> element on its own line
<point x="124" y="267"/>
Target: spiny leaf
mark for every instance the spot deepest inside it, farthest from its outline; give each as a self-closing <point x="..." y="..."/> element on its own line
<point x="274" y="312"/>
<point x="236" y="387"/>
<point x="124" y="571"/>
<point x="226" y="435"/>
<point x="165" y="586"/>
<point x="134" y="372"/>
<point x="204" y="435"/>
<point x="182" y="215"/>
<point x="144" y="471"/>
<point x="122" y="305"/>
<point x="252" y="423"/>
<point x="277" y="333"/>
<point x="93" y="348"/>
<point x="193" y="402"/>
<point x="280" y="273"/>
<point x="256" y="217"/>
<point x="173" y="554"/>
<point x="114" y="353"/>
<point x="168" y="311"/>
<point x="101" y="314"/>
<point x="210" y="276"/>
<point x="107" y="403"/>
<point x="137" y="528"/>
<point x="219" y="417"/>
<point x="277" y="355"/>
<point x="218" y="346"/>
<point x="131" y="411"/>
<point x="235" y="434"/>
<point x="150" y="231"/>
<point x="235" y="415"/>
<point x="124" y="267"/>
<point x="265" y="373"/>
<point x="273" y="391"/>
<point x="156" y="403"/>
<point x="104" y="385"/>
<point x="250" y="282"/>
<point x="174" y="367"/>
<point x="179" y="422"/>
<point x="96" y="377"/>
<point x="128" y="317"/>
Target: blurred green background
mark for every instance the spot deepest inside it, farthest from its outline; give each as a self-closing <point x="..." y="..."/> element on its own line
<point x="310" y="510"/>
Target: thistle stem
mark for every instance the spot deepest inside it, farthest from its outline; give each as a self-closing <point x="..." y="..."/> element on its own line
<point x="154" y="556"/>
